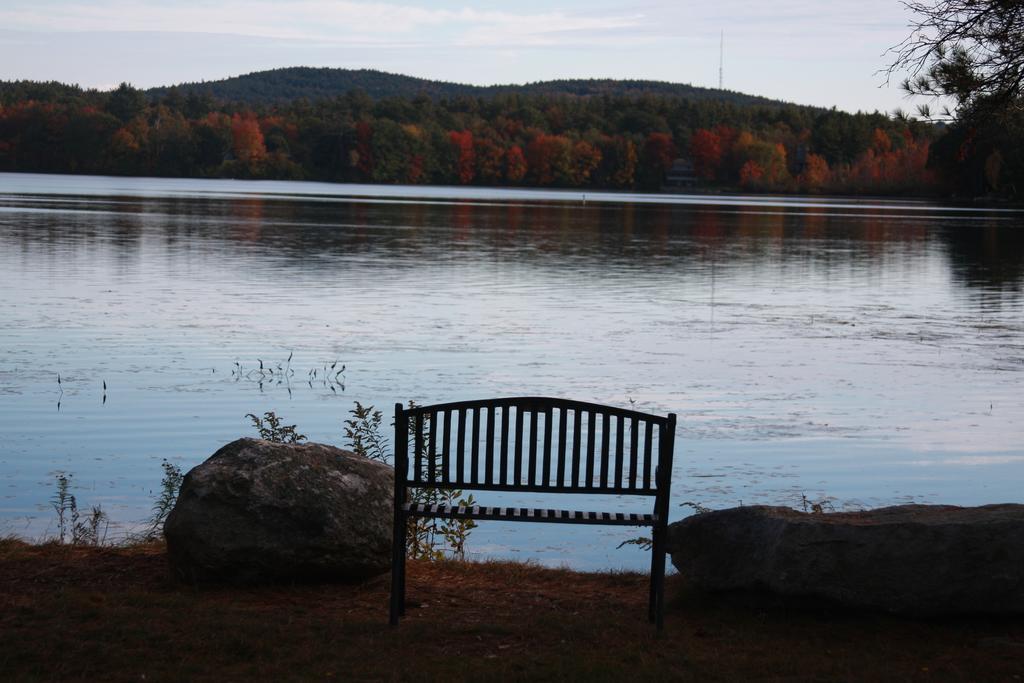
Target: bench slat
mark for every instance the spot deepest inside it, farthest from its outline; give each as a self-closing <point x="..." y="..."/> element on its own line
<point x="549" y="426"/>
<point x="634" y="440"/>
<point x="562" y="418"/>
<point x="577" y="435"/>
<point x="446" y="448"/>
<point x="619" y="449"/>
<point x="591" y="436"/>
<point x="606" y="428"/>
<point x="517" y="469"/>
<point x="475" y="451"/>
<point x="432" y="449"/>
<point x="533" y="449"/>
<point x="516" y="514"/>
<point x="489" y="447"/>
<point x="648" y="441"/>
<point x="417" y="444"/>
<point x="460" y="448"/>
<point x="504" y="444"/>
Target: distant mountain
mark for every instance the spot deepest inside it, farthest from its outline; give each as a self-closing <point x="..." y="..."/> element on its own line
<point x="282" y="85"/>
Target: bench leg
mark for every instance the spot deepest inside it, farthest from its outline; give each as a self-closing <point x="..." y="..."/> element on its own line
<point x="397" y="569"/>
<point x="401" y="572"/>
<point x="652" y="604"/>
<point x="656" y="607"/>
<point x="660" y="560"/>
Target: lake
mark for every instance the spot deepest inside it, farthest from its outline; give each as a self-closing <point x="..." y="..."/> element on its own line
<point x="858" y="352"/>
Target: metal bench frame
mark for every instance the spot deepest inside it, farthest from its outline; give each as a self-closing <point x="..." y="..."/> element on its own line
<point x="494" y="456"/>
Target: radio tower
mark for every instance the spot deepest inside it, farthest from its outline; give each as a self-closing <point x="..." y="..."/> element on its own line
<point x="721" y="53"/>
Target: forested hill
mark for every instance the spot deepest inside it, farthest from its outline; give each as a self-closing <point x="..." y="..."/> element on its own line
<point x="580" y="134"/>
<point x="283" y="85"/>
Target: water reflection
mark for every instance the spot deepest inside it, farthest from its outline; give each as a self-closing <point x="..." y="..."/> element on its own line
<point x="983" y="252"/>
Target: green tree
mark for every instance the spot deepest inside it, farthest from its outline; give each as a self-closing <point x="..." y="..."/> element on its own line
<point x="971" y="51"/>
<point x="126" y="102"/>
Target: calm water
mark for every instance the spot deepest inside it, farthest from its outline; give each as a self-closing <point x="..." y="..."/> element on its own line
<point x="866" y="352"/>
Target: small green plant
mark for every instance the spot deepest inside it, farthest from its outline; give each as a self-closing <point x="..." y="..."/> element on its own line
<point x="816" y="507"/>
<point x="364" y="433"/>
<point x="65" y="505"/>
<point x="92" y="531"/>
<point x="170" y="485"/>
<point x="271" y="428"/>
<point x="698" y="509"/>
<point x="429" y="537"/>
<point x="70" y="526"/>
<point x="644" y="542"/>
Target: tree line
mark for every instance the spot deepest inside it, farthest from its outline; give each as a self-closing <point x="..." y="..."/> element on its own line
<point x="546" y="140"/>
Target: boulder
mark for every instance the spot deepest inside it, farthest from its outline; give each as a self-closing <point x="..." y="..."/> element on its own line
<point x="911" y="559"/>
<point x="258" y="511"/>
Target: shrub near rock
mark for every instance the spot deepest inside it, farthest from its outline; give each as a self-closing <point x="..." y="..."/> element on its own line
<point x="912" y="559"/>
<point x="258" y="511"/>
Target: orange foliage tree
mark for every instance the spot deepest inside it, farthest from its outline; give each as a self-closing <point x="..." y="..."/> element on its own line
<point x="815" y="175"/>
<point x="247" y="139"/>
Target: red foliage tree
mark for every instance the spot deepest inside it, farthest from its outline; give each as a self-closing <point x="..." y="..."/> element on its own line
<point x="706" y="151"/>
<point x="548" y="157"/>
<point x="751" y="174"/>
<point x="657" y="156"/>
<point x="515" y="165"/>
<point x="462" y="145"/>
<point x="364" y="150"/>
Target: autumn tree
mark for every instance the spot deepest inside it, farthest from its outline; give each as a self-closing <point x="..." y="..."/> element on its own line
<point x="584" y="159"/>
<point x="706" y="152"/>
<point x="362" y="158"/>
<point x="815" y="174"/>
<point x="490" y="160"/>
<point x="548" y="158"/>
<point x="765" y="162"/>
<point x="751" y="174"/>
<point x="618" y="162"/>
<point x="515" y="165"/>
<point x="657" y="156"/>
<point x="247" y="139"/>
<point x="464" y="156"/>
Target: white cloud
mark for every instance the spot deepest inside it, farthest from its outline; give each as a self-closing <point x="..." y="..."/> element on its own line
<point x="322" y="20"/>
<point x="797" y="50"/>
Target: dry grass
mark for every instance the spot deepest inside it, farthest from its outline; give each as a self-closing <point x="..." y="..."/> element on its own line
<point x="114" y="614"/>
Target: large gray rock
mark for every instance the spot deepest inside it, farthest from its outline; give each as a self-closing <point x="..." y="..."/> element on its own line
<point x="914" y="559"/>
<point x="259" y="511"/>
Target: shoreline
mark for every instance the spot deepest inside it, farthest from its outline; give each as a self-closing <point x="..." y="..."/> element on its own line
<point x="424" y="193"/>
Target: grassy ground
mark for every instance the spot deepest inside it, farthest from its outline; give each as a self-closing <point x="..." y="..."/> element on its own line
<point x="114" y="614"/>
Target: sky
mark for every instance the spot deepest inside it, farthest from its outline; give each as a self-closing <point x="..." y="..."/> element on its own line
<point x="805" y="51"/>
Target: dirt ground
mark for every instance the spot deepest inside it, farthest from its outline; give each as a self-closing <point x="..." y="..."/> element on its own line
<point x="99" y="614"/>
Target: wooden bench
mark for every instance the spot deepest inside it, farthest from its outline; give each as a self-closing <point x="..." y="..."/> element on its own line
<point x="538" y="445"/>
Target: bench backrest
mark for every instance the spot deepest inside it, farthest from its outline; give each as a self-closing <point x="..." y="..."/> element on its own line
<point x="538" y="444"/>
